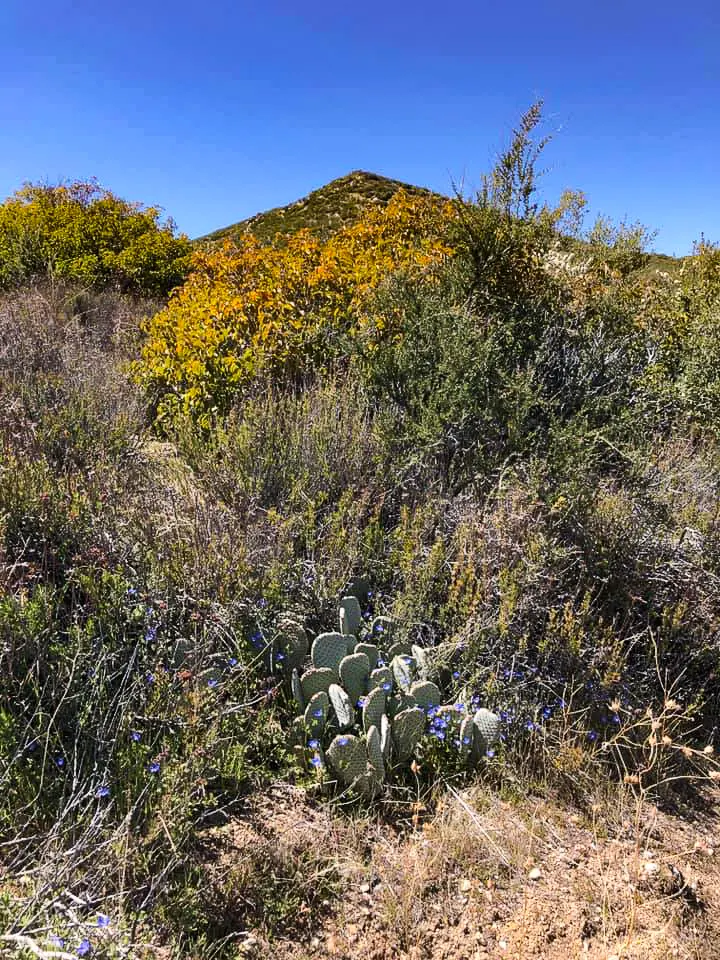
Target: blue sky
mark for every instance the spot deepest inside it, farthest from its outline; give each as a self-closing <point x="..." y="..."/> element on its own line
<point x="215" y="111"/>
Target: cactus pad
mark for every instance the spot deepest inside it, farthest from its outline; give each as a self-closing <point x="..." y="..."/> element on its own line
<point x="292" y="643"/>
<point x="374" y="709"/>
<point x="350" y="617"/>
<point x="399" y="650"/>
<point x="316" y="714"/>
<point x="426" y="693"/>
<point x="467" y="736"/>
<point x="354" y="674"/>
<point x="370" y="651"/>
<point x="327" y="651"/>
<point x="342" y="706"/>
<point x="297" y="691"/>
<point x="422" y="660"/>
<point x="347" y="758"/>
<point x="487" y="725"/>
<point x="314" y="680"/>
<point x="408" y="727"/>
<point x="383" y="678"/>
<point x="403" y="670"/>
<point x="385" y="736"/>
<point x="375" y="753"/>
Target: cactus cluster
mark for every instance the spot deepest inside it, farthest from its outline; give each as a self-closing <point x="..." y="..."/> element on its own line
<point x="364" y="699"/>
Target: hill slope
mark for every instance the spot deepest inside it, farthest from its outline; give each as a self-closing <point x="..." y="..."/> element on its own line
<point x="337" y="204"/>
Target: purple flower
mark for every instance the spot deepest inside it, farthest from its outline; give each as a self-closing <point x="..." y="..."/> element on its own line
<point x="154" y="767"/>
<point x="439" y="734"/>
<point x="466" y="740"/>
<point x="135" y="736"/>
<point x="103" y="920"/>
<point x="262" y="602"/>
<point x="343" y="741"/>
<point x="592" y="736"/>
<point x="212" y="682"/>
<point x="387" y="686"/>
<point x="102" y="792"/>
<point x="316" y="761"/>
<point x="547" y="712"/>
<point x="318" y="713"/>
<point x="150" y="634"/>
<point x="279" y="657"/>
<point x="60" y="761"/>
<point x="84" y="948"/>
<point x="460" y="707"/>
<point x="313" y="744"/>
<point x="456" y="674"/>
<point x="490" y="754"/>
<point x="232" y="661"/>
<point x="361" y="702"/>
<point x="149" y="678"/>
<point x="56" y="941"/>
<point x="530" y="726"/>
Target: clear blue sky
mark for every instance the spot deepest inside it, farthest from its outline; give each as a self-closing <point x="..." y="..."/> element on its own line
<point x="217" y="110"/>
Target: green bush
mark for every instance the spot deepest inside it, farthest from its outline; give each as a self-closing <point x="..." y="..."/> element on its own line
<point x="82" y="233"/>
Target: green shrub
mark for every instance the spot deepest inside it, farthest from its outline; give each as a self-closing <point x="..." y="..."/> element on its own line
<point x="82" y="233"/>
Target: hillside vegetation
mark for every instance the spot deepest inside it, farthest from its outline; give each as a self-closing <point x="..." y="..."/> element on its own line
<point x="469" y="434"/>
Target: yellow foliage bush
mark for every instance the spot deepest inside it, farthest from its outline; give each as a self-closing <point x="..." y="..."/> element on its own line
<point x="249" y="309"/>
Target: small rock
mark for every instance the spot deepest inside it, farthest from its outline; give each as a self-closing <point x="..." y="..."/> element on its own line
<point x="535" y="874"/>
<point x="465" y="885"/>
<point x="364" y="888"/>
<point x="651" y="868"/>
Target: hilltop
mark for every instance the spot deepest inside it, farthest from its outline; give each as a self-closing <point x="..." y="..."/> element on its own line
<point x="323" y="211"/>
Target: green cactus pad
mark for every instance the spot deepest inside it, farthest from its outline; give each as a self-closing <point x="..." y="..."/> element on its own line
<point x="422" y="660"/>
<point x="374" y="709"/>
<point x="382" y="677"/>
<point x="316" y="679"/>
<point x="399" y="650"/>
<point x="350" y="617"/>
<point x="297" y="735"/>
<point x="375" y="753"/>
<point x="403" y="668"/>
<point x="342" y="705"/>
<point x="382" y="631"/>
<point x="347" y="758"/>
<point x="368" y="786"/>
<point x="426" y="693"/>
<point x="467" y="736"/>
<point x="292" y="643"/>
<point x="354" y="674"/>
<point x="370" y="651"/>
<point x="408" y="727"/>
<point x="399" y="702"/>
<point x="316" y="714"/>
<point x="488" y="725"/>
<point x="385" y="736"/>
<point x="327" y="651"/>
<point x="297" y="690"/>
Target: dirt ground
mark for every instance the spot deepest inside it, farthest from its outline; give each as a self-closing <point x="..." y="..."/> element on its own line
<point x="480" y="878"/>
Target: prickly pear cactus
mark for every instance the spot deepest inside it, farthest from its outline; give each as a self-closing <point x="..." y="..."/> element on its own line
<point x="342" y="706"/>
<point x="327" y="651"/>
<point x="354" y="675"/>
<point x="467" y="736"/>
<point x="487" y="730"/>
<point x="426" y="693"/>
<point x="422" y="661"/>
<point x="350" y="617"/>
<point x="316" y="714"/>
<point x="385" y="737"/>
<point x="292" y="645"/>
<point x="316" y="679"/>
<point x="408" y="727"/>
<point x="402" y="668"/>
<point x="370" y="651"/>
<point x="373" y="709"/>
<point x="297" y="690"/>
<point x="347" y="758"/>
<point x="375" y="753"/>
<point x="383" y="678"/>
<point x="382" y="630"/>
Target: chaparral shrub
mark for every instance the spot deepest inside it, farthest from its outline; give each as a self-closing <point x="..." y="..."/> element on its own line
<point x="81" y="233"/>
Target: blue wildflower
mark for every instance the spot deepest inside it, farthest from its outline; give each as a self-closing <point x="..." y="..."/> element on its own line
<point x="387" y="686"/>
<point x="232" y="662"/>
<point x="60" y="761"/>
<point x="135" y="736"/>
<point x="615" y="718"/>
<point x="150" y="634"/>
<point x="460" y="707"/>
<point x="592" y="736"/>
<point x="316" y="761"/>
<point x="56" y="941"/>
<point x="438" y="734"/>
<point x="466" y="740"/>
<point x="343" y="741"/>
<point x="149" y="678"/>
<point x="379" y="628"/>
<point x="361" y="702"/>
<point x="103" y="920"/>
<point x="212" y="682"/>
<point x="313" y="744"/>
<point x="456" y="674"/>
<point x="490" y="754"/>
<point x="279" y="657"/>
<point x="318" y="713"/>
<point x="530" y="726"/>
<point x="547" y="712"/>
<point x="154" y="767"/>
<point x="102" y="792"/>
<point x="84" y="948"/>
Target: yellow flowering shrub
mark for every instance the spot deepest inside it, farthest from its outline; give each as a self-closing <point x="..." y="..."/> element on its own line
<point x="249" y="309"/>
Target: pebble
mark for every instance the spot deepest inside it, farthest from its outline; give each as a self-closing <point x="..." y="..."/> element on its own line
<point x="535" y="874"/>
